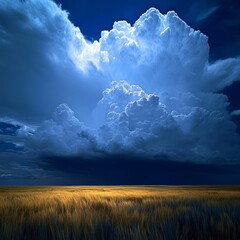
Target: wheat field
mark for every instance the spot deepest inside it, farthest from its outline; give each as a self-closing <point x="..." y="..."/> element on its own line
<point x="120" y="213"/>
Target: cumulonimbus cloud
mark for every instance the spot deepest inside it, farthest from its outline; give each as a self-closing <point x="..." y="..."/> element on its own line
<point x="161" y="92"/>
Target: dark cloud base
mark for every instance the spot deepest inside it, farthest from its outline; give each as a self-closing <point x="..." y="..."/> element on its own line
<point x="131" y="170"/>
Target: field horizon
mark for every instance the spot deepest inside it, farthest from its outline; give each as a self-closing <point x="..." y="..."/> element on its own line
<point x="120" y="212"/>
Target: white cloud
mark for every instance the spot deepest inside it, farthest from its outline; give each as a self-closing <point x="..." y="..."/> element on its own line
<point x="131" y="121"/>
<point x="37" y="65"/>
<point x="63" y="134"/>
<point x="235" y="113"/>
<point x="162" y="53"/>
<point x="163" y="98"/>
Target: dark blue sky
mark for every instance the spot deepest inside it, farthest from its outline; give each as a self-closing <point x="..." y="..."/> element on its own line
<point x="66" y="116"/>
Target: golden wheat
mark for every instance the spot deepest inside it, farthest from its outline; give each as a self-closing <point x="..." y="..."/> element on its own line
<point x="119" y="213"/>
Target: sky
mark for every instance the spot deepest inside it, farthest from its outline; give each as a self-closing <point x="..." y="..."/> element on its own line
<point x="119" y="93"/>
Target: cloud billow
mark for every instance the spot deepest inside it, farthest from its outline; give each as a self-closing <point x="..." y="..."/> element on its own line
<point x="162" y="95"/>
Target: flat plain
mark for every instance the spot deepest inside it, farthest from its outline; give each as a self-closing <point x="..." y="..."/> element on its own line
<point x="120" y="212"/>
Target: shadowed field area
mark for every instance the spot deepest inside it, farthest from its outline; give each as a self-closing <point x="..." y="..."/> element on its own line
<point x="119" y="213"/>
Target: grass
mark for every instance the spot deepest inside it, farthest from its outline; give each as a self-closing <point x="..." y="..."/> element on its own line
<point x="120" y="213"/>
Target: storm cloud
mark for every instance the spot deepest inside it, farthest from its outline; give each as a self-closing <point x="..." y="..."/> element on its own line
<point x="37" y="71"/>
<point x="144" y="89"/>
